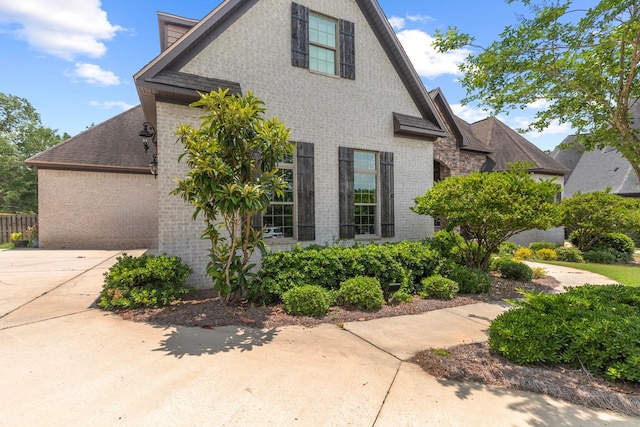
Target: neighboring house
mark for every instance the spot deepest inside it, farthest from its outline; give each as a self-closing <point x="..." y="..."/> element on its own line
<point x="596" y="170"/>
<point x="95" y="189"/>
<point x="489" y="146"/>
<point x="336" y="75"/>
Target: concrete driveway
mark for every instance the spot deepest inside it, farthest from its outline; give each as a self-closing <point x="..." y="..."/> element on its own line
<point x="64" y="362"/>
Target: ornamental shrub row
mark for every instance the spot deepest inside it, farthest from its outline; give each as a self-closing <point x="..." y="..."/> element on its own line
<point x="327" y="267"/>
<point x="592" y="327"/>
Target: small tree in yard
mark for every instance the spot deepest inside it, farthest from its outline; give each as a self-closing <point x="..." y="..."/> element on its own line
<point x="233" y="175"/>
<point x="492" y="207"/>
<point x="598" y="214"/>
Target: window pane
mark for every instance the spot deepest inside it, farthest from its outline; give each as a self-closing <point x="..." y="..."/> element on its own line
<point x="322" y="31"/>
<point x="322" y="60"/>
<point x="364" y="160"/>
<point x="365" y="188"/>
<point x="365" y="219"/>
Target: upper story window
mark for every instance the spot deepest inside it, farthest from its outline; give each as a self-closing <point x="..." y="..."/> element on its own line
<point x="321" y="43"/>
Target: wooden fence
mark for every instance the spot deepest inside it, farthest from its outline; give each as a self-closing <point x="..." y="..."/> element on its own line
<point x="12" y="223"/>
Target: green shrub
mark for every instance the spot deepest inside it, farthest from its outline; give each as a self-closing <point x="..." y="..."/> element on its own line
<point x="437" y="286"/>
<point x="401" y="296"/>
<point x="592" y="327"/>
<point x="546" y="254"/>
<point x="470" y="280"/>
<point x="307" y="300"/>
<point x="570" y="254"/>
<point x="522" y="253"/>
<point x="601" y="256"/>
<point x="447" y="245"/>
<point x="618" y="243"/>
<point x="146" y="281"/>
<point x="514" y="270"/>
<point x="536" y="246"/>
<point x="330" y="266"/>
<point x="362" y="292"/>
<point x="507" y="249"/>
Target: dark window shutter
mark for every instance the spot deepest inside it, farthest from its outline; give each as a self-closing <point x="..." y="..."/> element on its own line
<point x="299" y="35"/>
<point x="306" y="196"/>
<point x="347" y="50"/>
<point x="387" y="228"/>
<point x="347" y="200"/>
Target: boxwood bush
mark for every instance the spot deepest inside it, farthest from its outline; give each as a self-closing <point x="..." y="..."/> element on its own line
<point x="514" y="270"/>
<point x="569" y="254"/>
<point x="546" y="254"/>
<point x="362" y="292"/>
<point x="437" y="286"/>
<point x="595" y="327"/>
<point x="470" y="280"/>
<point x="308" y="300"/>
<point x="145" y="281"/>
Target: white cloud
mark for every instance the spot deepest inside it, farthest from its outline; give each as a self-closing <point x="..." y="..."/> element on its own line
<point x="93" y="74"/>
<point x="540" y="104"/>
<point x="107" y="105"/>
<point x="63" y="28"/>
<point x="468" y="114"/>
<point x="555" y="128"/>
<point x="397" y="23"/>
<point x="427" y="62"/>
<point x="420" y="18"/>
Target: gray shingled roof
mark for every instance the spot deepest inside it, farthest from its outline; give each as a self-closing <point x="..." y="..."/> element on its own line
<point x="113" y="145"/>
<point x="599" y="169"/>
<point x="569" y="156"/>
<point x="510" y="147"/>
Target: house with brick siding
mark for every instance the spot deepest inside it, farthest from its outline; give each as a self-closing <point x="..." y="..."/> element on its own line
<point x="335" y="74"/>
<point x="369" y="137"/>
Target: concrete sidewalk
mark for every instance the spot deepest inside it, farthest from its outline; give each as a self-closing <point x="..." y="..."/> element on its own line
<point x="64" y="362"/>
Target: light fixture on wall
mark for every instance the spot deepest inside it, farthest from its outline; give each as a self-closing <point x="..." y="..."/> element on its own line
<point x="153" y="165"/>
<point x="147" y="133"/>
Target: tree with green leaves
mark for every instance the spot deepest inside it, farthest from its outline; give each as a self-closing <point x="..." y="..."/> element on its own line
<point x="233" y="175"/>
<point x="491" y="207"/>
<point x="583" y="63"/>
<point x="598" y="214"/>
<point x="21" y="136"/>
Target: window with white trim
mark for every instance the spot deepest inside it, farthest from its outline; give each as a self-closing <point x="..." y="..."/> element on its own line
<point x="365" y="180"/>
<point x="322" y="44"/>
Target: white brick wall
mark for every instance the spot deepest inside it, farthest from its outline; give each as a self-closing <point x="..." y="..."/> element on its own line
<point x="325" y="110"/>
<point x="94" y="210"/>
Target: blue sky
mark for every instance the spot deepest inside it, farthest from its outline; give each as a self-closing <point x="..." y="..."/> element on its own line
<point x="74" y="59"/>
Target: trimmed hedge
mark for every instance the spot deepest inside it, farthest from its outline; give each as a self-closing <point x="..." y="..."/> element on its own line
<point x="596" y="327"/>
<point x="471" y="280"/>
<point x="329" y="266"/>
<point x="514" y="270"/>
<point x="437" y="286"/>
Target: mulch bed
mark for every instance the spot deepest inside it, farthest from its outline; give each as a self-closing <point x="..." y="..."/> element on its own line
<point x="468" y="363"/>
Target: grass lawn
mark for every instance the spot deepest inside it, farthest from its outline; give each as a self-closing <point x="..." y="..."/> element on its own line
<point x="628" y="275"/>
<point x="8" y="245"/>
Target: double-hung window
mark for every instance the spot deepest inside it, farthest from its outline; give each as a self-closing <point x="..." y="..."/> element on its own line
<point x="278" y="219"/>
<point x="365" y="197"/>
<point x="365" y="192"/>
<point x="322" y="44"/>
<point x="293" y="214"/>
